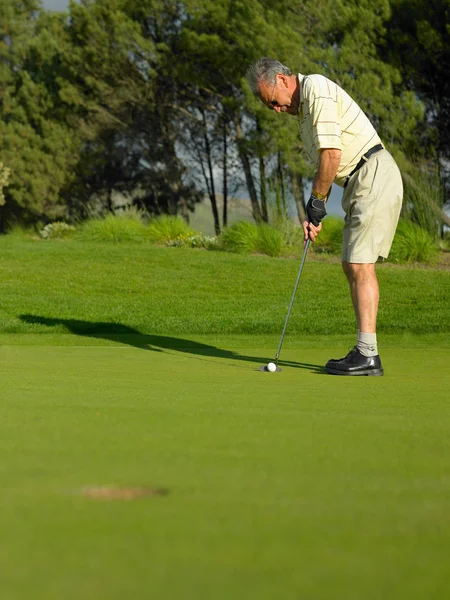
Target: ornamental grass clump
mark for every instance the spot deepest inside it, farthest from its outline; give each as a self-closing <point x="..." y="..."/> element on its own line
<point x="413" y="244"/>
<point x="127" y="227"/>
<point x="269" y="241"/>
<point x="166" y="229"/>
<point x="242" y="238"/>
<point x="291" y="232"/>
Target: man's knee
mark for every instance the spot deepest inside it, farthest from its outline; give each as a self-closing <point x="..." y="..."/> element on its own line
<point x="358" y="271"/>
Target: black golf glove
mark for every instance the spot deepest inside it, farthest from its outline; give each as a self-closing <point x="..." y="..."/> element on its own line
<point x="315" y="210"/>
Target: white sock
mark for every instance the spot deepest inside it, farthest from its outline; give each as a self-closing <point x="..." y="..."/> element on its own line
<point x="367" y="344"/>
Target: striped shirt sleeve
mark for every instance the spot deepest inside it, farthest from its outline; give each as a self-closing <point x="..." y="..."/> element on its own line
<point x="324" y="113"/>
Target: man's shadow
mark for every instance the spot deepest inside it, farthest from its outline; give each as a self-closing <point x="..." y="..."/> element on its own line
<point x="123" y="334"/>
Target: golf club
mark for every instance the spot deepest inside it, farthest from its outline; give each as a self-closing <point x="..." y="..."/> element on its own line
<point x="277" y="368"/>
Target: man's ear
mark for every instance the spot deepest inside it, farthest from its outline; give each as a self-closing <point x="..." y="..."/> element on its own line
<point x="282" y="79"/>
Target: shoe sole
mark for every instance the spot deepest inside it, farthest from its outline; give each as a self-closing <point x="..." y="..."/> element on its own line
<point x="367" y="372"/>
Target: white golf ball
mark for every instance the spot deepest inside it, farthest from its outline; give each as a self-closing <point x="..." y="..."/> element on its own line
<point x="272" y="367"/>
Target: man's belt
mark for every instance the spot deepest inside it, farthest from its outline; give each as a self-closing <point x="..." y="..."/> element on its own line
<point x="365" y="157"/>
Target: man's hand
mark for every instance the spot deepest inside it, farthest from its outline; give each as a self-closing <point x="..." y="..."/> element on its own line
<point x="315" y="212"/>
<point x="311" y="231"/>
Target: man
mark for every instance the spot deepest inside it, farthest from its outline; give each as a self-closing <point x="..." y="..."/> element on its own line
<point x="344" y="147"/>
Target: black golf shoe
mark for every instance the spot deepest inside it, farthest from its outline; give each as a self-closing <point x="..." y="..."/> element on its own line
<point x="355" y="364"/>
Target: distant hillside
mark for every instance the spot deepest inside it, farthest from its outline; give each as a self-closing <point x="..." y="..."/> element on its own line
<point x="239" y="209"/>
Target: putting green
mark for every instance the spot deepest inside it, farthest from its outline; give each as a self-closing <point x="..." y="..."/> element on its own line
<point x="280" y="485"/>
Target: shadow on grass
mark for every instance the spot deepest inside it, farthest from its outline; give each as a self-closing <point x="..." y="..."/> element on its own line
<point x="116" y="332"/>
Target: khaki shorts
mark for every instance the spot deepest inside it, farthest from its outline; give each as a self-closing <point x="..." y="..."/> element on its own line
<point x="372" y="202"/>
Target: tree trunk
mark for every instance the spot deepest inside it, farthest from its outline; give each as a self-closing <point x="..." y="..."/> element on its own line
<point x="225" y="176"/>
<point x="245" y="160"/>
<point x="215" y="212"/>
<point x="282" y="187"/>
<point x="276" y="183"/>
<point x="445" y="217"/>
<point x="299" y="196"/>
<point x="109" y="200"/>
<point x="3" y="219"/>
<point x="184" y="209"/>
<point x="212" y="187"/>
<point x="262" y="175"/>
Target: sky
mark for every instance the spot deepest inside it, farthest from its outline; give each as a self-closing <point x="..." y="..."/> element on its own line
<point x="55" y="4"/>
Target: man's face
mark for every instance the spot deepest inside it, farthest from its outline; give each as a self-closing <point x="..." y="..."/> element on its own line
<point x="281" y="96"/>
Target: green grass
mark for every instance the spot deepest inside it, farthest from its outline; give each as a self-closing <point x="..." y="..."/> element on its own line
<point x="69" y="285"/>
<point x="288" y="485"/>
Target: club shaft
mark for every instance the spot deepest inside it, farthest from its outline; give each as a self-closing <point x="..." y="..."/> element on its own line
<point x="292" y="300"/>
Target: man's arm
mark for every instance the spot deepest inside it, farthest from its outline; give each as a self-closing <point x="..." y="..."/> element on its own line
<point x="330" y="159"/>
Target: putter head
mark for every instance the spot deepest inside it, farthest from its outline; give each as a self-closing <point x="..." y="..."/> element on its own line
<point x="266" y="370"/>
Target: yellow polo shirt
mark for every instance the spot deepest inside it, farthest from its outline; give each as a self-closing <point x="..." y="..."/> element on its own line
<point x="330" y="118"/>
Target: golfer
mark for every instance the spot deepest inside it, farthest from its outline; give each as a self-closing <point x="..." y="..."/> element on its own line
<point x="344" y="148"/>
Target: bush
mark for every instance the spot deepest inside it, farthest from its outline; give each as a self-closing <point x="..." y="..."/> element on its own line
<point x="413" y="244"/>
<point x="127" y="227"/>
<point x="166" y="228"/>
<point x="197" y="240"/>
<point x="57" y="230"/>
<point x="242" y="237"/>
<point x="4" y="180"/>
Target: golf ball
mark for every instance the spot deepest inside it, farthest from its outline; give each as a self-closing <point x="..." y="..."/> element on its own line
<point x="272" y="367"/>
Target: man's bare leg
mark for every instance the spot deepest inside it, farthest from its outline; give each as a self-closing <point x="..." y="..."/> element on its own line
<point x="363" y="359"/>
<point x="365" y="294"/>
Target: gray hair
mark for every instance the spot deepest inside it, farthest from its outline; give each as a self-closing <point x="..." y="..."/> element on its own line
<point x="265" y="70"/>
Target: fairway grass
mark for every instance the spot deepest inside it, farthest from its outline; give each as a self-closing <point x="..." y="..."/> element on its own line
<point x="136" y="366"/>
<point x="284" y="485"/>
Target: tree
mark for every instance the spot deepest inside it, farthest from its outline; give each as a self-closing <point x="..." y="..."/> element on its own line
<point x="38" y="149"/>
<point x="418" y="44"/>
<point x="120" y="96"/>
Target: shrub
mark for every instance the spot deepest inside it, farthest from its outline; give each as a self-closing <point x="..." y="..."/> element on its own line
<point x="413" y="244"/>
<point x="4" y="180"/>
<point x="204" y="241"/>
<point x="242" y="237"/>
<point x="127" y="227"/>
<point x="57" y="230"/>
<point x="198" y="240"/>
<point x="166" y="228"/>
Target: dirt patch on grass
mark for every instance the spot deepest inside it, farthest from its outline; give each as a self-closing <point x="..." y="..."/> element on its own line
<point x="110" y="492"/>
